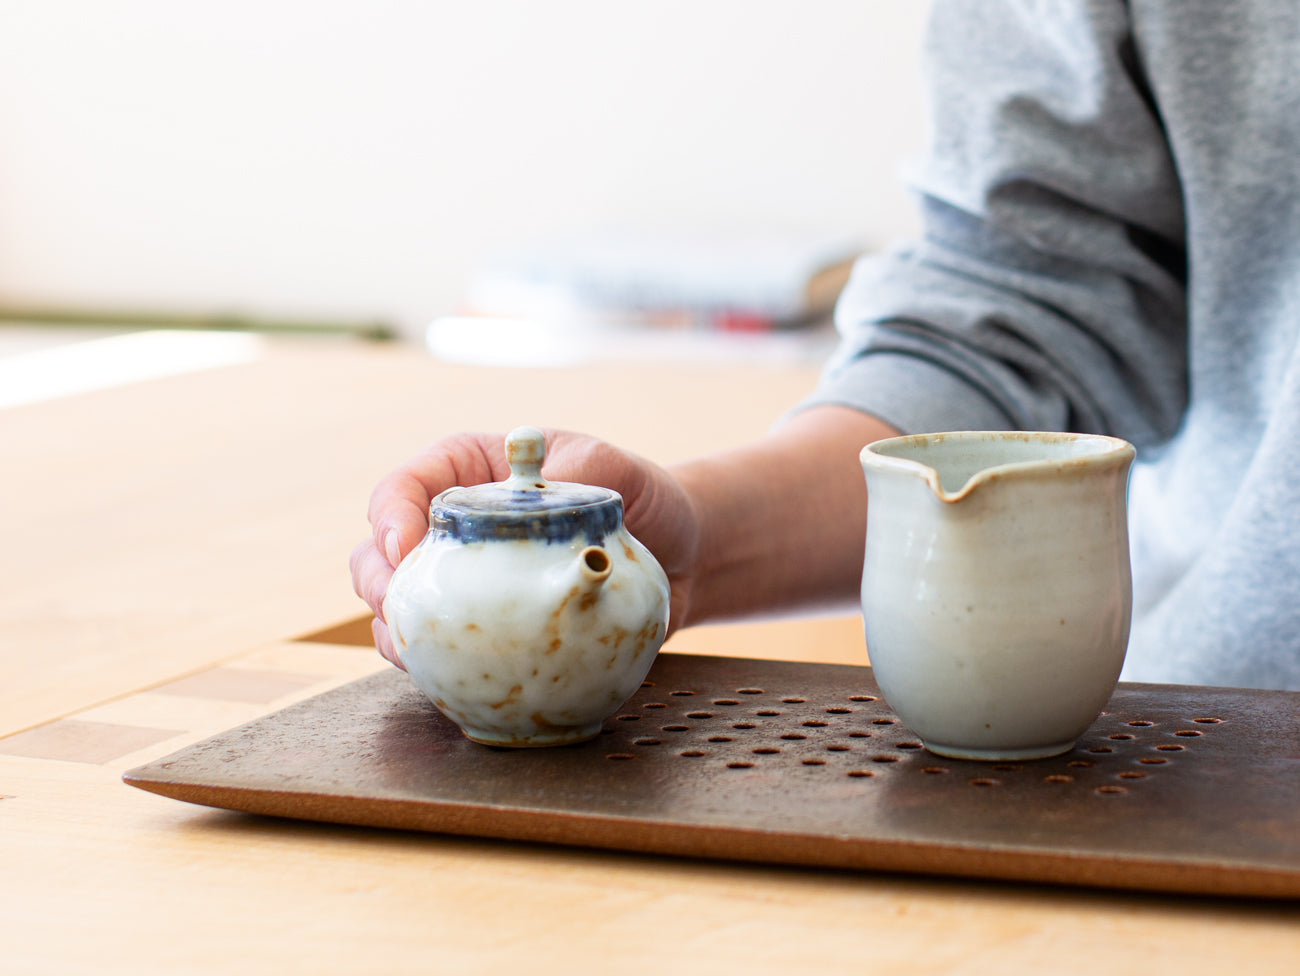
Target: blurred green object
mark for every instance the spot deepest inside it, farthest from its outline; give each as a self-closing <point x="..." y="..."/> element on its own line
<point x="12" y="315"/>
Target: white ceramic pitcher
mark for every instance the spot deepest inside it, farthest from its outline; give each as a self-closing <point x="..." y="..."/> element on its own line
<point x="996" y="590"/>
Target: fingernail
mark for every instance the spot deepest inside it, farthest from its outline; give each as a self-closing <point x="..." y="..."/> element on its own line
<point x="393" y="547"/>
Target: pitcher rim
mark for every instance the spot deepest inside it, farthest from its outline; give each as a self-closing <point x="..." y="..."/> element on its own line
<point x="1115" y="452"/>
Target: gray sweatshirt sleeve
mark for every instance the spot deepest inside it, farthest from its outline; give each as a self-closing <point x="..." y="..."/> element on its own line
<point x="1047" y="291"/>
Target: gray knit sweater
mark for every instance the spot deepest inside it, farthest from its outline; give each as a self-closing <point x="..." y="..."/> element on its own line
<point x="1112" y="244"/>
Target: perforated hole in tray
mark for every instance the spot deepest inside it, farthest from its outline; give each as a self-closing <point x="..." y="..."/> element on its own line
<point x="857" y="737"/>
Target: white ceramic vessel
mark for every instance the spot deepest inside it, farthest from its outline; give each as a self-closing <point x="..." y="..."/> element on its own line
<point x="996" y="591"/>
<point x="528" y="614"/>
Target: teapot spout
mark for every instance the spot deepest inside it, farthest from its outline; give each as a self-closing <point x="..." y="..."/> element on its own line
<point x="594" y="567"/>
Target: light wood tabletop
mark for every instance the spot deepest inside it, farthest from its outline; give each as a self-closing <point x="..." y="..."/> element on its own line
<point x="176" y="564"/>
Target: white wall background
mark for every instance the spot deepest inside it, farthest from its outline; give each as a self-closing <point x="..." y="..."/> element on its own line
<point x="350" y="158"/>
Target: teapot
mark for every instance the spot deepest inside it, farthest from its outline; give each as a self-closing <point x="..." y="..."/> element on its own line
<point x="528" y="614"/>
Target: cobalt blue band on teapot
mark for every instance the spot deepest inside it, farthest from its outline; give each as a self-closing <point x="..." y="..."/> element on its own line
<point x="525" y="505"/>
<point x="515" y="515"/>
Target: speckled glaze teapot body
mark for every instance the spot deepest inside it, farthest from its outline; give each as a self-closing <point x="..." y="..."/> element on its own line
<point x="528" y="614"/>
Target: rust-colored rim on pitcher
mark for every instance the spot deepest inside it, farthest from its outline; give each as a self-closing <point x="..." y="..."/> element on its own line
<point x="1111" y="452"/>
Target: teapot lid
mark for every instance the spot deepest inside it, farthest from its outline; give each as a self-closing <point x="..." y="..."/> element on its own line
<point x="525" y="505"/>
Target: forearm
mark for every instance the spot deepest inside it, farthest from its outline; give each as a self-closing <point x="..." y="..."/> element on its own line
<point x="783" y="520"/>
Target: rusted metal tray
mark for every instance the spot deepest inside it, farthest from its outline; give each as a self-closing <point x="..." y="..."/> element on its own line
<point x="1179" y="789"/>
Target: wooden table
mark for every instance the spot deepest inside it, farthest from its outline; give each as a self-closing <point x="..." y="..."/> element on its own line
<point x="176" y="564"/>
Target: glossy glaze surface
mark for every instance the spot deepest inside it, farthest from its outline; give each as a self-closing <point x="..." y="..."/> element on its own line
<point x="529" y="615"/>
<point x="996" y="590"/>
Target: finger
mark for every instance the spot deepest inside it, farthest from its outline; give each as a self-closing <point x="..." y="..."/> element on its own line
<point x="586" y="460"/>
<point x="678" y="601"/>
<point x="399" y="505"/>
<point x="371" y="574"/>
<point x="463" y="459"/>
<point x="399" y="515"/>
<point x="384" y="642"/>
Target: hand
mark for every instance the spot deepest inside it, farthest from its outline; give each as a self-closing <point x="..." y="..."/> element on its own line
<point x="656" y="508"/>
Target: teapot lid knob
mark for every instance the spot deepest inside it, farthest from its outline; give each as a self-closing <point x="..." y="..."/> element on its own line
<point x="526" y="450"/>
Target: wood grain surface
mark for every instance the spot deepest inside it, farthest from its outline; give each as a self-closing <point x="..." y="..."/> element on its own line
<point x="167" y="543"/>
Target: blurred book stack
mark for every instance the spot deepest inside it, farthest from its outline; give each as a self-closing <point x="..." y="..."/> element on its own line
<point x="637" y="294"/>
